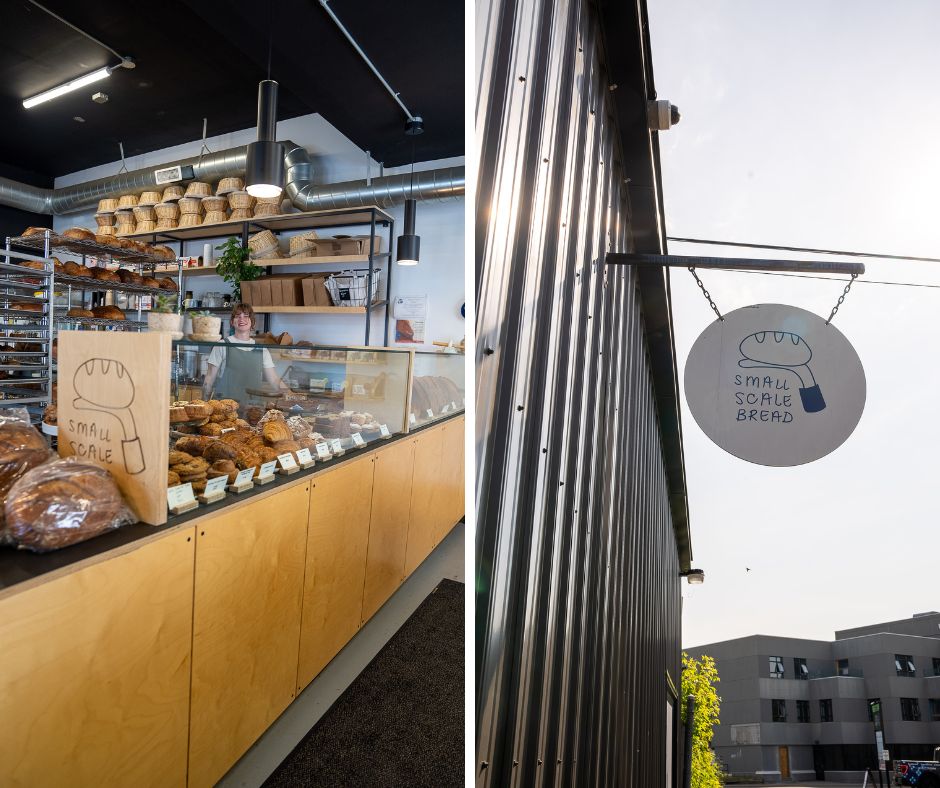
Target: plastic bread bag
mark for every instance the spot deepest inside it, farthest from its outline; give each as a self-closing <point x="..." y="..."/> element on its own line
<point x="62" y="503"/>
<point x="22" y="447"/>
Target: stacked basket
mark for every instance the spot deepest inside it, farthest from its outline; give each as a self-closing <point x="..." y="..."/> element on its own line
<point x="263" y="245"/>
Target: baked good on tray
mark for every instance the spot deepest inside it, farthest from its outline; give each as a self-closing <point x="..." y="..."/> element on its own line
<point x="108" y="313"/>
<point x="104" y="275"/>
<point x="21" y="447"/>
<point x="149" y="281"/>
<point x="35" y="231"/>
<point x="79" y="234"/>
<point x="74" y="312"/>
<point x="75" y="269"/>
<point x="166" y="283"/>
<point x="223" y="468"/>
<point x="129" y="277"/>
<point x="61" y="503"/>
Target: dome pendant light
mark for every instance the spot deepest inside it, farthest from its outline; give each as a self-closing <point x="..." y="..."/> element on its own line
<point x="409" y="244"/>
<point x="264" y="167"/>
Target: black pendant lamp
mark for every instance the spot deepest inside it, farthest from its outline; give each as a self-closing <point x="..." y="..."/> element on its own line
<point x="264" y="168"/>
<point x="409" y="244"/>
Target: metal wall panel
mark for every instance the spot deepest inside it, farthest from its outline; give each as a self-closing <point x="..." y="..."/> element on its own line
<point x="576" y="555"/>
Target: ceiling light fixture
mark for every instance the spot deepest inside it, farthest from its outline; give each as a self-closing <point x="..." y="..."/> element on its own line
<point x="264" y="168"/>
<point x="694" y="577"/>
<point x="409" y="244"/>
<point x="75" y="84"/>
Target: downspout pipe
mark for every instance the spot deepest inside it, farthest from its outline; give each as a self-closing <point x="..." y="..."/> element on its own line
<point x="441" y="184"/>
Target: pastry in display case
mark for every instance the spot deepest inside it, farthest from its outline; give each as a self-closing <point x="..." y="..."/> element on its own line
<point x="437" y="387"/>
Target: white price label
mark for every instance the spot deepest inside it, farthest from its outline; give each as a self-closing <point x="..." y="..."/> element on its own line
<point x="359" y="390"/>
<point x="445" y="409"/>
<point x="337" y="386"/>
<point x="383" y="429"/>
<point x="412" y="419"/>
<point x="180" y="495"/>
<point x="453" y="406"/>
<point x="336" y="445"/>
<point x="244" y="476"/>
<point x="267" y="469"/>
<point x="323" y="451"/>
<point x="303" y="456"/>
<point x="357" y="439"/>
<point x="287" y="461"/>
<point x="215" y="485"/>
<point x="430" y="413"/>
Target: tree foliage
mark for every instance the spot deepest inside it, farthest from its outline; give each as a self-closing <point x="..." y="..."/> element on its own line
<point x="699" y="678"/>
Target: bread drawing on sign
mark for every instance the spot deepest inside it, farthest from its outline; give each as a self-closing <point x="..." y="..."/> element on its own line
<point x="104" y="385"/>
<point x="788" y="352"/>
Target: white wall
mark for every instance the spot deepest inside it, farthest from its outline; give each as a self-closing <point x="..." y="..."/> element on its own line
<point x="440" y="274"/>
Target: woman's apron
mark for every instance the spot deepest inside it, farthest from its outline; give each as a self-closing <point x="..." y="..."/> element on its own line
<point x="242" y="371"/>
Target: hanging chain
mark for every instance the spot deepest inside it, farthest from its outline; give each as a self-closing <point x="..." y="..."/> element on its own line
<point x="841" y="299"/>
<point x="705" y="292"/>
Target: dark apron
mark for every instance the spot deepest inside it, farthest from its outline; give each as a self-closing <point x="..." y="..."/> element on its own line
<point x="242" y="371"/>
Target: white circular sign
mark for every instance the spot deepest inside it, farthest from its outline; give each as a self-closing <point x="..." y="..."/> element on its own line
<point x="775" y="385"/>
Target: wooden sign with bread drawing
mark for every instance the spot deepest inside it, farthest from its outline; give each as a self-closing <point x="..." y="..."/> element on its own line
<point x="114" y="395"/>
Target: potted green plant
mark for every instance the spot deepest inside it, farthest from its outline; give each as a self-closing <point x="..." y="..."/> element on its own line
<point x="206" y="326"/>
<point x="164" y="317"/>
<point x="235" y="267"/>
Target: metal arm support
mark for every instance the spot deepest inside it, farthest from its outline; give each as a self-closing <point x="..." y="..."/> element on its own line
<point x="735" y="263"/>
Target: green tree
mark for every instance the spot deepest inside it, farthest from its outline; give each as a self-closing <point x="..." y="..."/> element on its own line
<point x="699" y="678"/>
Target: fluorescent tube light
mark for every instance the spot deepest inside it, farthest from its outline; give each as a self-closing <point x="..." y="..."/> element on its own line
<point x="68" y="87"/>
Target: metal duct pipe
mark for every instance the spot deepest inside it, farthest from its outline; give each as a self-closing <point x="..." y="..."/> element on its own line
<point x="384" y="192"/>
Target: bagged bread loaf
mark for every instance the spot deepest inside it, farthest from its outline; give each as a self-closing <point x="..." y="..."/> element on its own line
<point x="61" y="503"/>
<point x="22" y="447"/>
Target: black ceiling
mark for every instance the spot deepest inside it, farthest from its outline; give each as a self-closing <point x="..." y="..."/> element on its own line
<point x="204" y="58"/>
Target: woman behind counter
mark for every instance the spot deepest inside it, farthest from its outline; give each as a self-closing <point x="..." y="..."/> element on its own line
<point x="232" y="370"/>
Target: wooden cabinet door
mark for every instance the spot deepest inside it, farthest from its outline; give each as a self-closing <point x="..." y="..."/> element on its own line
<point x="337" y="540"/>
<point x="388" y="527"/>
<point x="94" y="672"/>
<point x="429" y="498"/>
<point x="452" y="476"/>
<point x="246" y="626"/>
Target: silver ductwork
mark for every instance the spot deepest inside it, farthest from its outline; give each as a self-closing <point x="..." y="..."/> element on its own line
<point x="383" y="192"/>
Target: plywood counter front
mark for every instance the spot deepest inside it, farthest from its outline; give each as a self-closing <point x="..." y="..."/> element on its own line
<point x="159" y="658"/>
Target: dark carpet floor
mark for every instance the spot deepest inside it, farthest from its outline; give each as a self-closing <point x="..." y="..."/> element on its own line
<point x="401" y="722"/>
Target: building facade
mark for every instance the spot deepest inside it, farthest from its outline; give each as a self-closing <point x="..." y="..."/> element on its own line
<point x="794" y="708"/>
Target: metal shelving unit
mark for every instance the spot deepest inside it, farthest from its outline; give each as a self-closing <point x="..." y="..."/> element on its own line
<point x="372" y="216"/>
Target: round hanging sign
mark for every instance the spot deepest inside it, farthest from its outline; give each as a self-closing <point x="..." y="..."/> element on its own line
<point x="774" y="385"/>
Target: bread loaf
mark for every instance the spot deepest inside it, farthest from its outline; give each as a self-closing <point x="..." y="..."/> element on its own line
<point x="223" y="468"/>
<point x="108" y="313"/>
<point x="62" y="503"/>
<point x="218" y="450"/>
<point x="35" y="231"/>
<point x="22" y="447"/>
<point x="168" y="284"/>
<point x="104" y="275"/>
<point x="74" y="312"/>
<point x="75" y="269"/>
<point x="79" y="234"/>
<point x="192" y="444"/>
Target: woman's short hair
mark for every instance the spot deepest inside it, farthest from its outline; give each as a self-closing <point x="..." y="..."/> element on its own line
<point x="240" y="309"/>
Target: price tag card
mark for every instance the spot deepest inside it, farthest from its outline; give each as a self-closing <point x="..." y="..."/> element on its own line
<point x="336" y="446"/>
<point x="267" y="472"/>
<point x="357" y="439"/>
<point x="304" y="458"/>
<point x="359" y="390"/>
<point x="337" y="386"/>
<point x="287" y="461"/>
<point x="412" y="419"/>
<point x="243" y="480"/>
<point x="445" y="409"/>
<point x="430" y="413"/>
<point x="215" y="489"/>
<point x="180" y="498"/>
<point x="453" y="406"/>
<point x="383" y="430"/>
<point x="323" y="451"/>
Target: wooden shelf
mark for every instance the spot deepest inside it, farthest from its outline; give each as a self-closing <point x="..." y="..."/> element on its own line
<point x="316" y="310"/>
<point x="336" y="259"/>
<point x="345" y="362"/>
<point x="205" y="270"/>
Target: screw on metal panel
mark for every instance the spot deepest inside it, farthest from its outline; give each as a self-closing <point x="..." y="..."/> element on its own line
<point x="522" y="79"/>
<point x="540" y="761"/>
<point x="483" y="765"/>
<point x="519" y="407"/>
<point x="561" y="484"/>
<point x="614" y="86"/>
<point x="545" y="161"/>
<point x="559" y="760"/>
<point x="544" y="451"/>
<point x="489" y="351"/>
<point x="515" y="764"/>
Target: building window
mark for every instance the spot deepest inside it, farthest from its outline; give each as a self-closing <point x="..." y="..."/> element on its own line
<point x="799" y="668"/>
<point x="904" y="665"/>
<point x="779" y="709"/>
<point x="802" y="711"/>
<point x="776" y="667"/>
<point x="871" y="717"/>
<point x="936" y="666"/>
<point x="825" y="710"/>
<point x="934" y="709"/>
<point x="842" y="667"/>
<point x="910" y="709"/>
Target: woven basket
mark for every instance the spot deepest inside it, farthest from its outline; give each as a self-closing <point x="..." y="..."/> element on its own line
<point x="166" y="224"/>
<point x="128" y="201"/>
<point x="240" y="215"/>
<point x="106" y="230"/>
<point x="108" y="205"/>
<point x="198" y="189"/>
<point x="240" y="200"/>
<point x="215" y="217"/>
<point x="190" y="220"/>
<point x="167" y="210"/>
<point x="264" y="244"/>
<point x="266" y="209"/>
<point x="145" y="213"/>
<point x="105" y="219"/>
<point x="172" y="193"/>
<point x="146" y="227"/>
<point x="128" y="228"/>
<point x="227" y="185"/>
<point x="149" y="198"/>
<point x="213" y="204"/>
<point x="303" y="243"/>
<point x="190" y="205"/>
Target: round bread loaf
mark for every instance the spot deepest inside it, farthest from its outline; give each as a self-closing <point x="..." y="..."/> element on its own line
<point x="79" y="313"/>
<point x="218" y="450"/>
<point x="104" y="275"/>
<point x="35" y="231"/>
<point x="149" y="281"/>
<point x="62" y="503"/>
<point x="129" y="277"/>
<point x="75" y="269"/>
<point x="79" y="234"/>
<point x="22" y="447"/>
<point x="165" y="252"/>
<point x="193" y="445"/>
<point x="26" y="307"/>
<point x="168" y="284"/>
<point x="108" y="313"/>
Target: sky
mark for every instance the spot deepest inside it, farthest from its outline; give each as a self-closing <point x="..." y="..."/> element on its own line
<point x="811" y="123"/>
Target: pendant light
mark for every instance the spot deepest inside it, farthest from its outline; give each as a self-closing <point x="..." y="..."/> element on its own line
<point x="409" y="244"/>
<point x="264" y="166"/>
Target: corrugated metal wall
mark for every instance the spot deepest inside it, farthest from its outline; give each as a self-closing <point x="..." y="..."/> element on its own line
<point x="576" y="560"/>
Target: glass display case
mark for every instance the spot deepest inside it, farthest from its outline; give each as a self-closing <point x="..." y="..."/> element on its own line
<point x="437" y="387"/>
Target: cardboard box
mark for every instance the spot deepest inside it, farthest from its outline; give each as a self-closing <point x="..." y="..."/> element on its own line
<point x="278" y="290"/>
<point x="315" y="292"/>
<point x="291" y="291"/>
<point x="352" y="245"/>
<point x="250" y="293"/>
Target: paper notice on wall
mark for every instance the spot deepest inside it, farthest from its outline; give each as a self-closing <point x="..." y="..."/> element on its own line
<point x="411" y="332"/>
<point x="410" y="307"/>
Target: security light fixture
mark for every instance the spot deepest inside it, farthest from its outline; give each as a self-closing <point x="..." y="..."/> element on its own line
<point x="694" y="577"/>
<point x="264" y="167"/>
<point x="75" y="84"/>
<point x="409" y="244"/>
